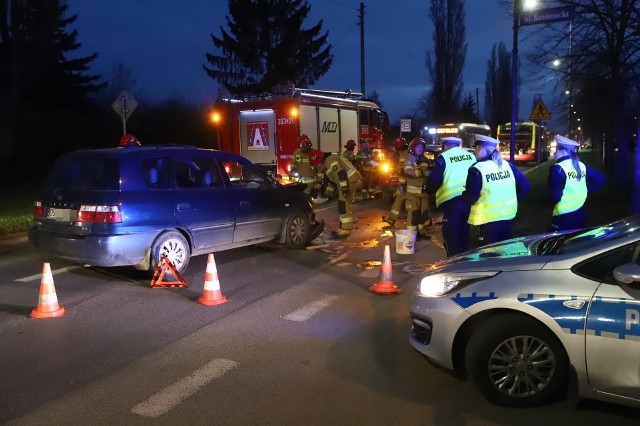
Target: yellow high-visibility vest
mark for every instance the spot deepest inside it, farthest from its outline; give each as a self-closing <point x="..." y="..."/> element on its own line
<point x="457" y="162"/>
<point x="498" y="199"/>
<point x="575" y="191"/>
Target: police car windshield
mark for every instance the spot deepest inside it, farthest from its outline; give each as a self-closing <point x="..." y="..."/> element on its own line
<point x="593" y="237"/>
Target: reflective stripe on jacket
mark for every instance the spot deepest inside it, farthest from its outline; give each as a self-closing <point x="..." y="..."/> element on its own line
<point x="457" y="162"/>
<point x="575" y="191"/>
<point x="498" y="199"/>
<point x="415" y="171"/>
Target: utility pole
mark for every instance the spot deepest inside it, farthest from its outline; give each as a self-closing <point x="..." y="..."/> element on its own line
<point x="362" y="85"/>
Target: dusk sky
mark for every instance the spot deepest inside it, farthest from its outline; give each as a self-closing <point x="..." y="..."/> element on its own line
<point x="164" y="42"/>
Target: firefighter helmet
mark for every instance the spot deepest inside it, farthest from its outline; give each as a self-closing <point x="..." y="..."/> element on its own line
<point x="414" y="143"/>
<point x="316" y="157"/>
<point x="399" y="144"/>
<point x="129" y="140"/>
<point x="350" y="145"/>
<point x="304" y="142"/>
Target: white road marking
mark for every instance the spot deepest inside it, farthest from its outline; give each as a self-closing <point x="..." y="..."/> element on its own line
<point x="172" y="395"/>
<point x="56" y="271"/>
<point x="310" y="309"/>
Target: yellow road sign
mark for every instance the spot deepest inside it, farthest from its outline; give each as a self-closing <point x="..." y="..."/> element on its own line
<point x="540" y="112"/>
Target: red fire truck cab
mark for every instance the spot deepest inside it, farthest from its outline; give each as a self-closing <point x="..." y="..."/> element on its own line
<point x="266" y="129"/>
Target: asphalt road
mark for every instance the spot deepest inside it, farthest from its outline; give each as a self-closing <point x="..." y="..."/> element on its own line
<point x="301" y="341"/>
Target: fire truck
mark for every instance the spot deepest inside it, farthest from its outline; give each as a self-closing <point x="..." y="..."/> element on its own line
<point x="266" y="129"/>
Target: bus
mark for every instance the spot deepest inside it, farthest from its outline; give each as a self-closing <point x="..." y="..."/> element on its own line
<point x="464" y="131"/>
<point x="528" y="136"/>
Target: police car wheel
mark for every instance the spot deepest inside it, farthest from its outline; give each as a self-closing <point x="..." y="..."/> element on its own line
<point x="296" y="231"/>
<point x="175" y="247"/>
<point x="515" y="361"/>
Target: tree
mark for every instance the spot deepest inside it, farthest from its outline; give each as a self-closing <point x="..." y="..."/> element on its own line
<point x="266" y="47"/>
<point x="601" y="72"/>
<point x="468" y="109"/>
<point x="498" y="93"/>
<point x="43" y="88"/>
<point x="449" y="51"/>
<point x="36" y="68"/>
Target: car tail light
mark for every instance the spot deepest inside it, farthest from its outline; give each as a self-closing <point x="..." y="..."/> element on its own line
<point x="99" y="214"/>
<point x="38" y="209"/>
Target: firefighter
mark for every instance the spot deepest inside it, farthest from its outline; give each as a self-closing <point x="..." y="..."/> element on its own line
<point x="345" y="176"/>
<point x="400" y="148"/>
<point x="367" y="166"/>
<point x="493" y="189"/>
<point x="415" y="170"/>
<point x="446" y="181"/>
<point x="348" y="151"/>
<point x="569" y="183"/>
<point x="300" y="163"/>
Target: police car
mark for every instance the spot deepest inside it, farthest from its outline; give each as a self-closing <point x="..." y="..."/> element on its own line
<point x="520" y="315"/>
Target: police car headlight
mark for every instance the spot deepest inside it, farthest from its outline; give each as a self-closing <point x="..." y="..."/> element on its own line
<point x="440" y="284"/>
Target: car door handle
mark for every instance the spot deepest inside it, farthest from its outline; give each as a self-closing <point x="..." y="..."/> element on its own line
<point x="182" y="207"/>
<point x="245" y="204"/>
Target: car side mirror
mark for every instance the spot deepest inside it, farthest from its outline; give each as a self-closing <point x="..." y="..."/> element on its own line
<point x="627" y="274"/>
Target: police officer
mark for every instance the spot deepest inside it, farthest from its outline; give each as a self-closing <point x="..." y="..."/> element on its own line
<point x="446" y="181"/>
<point x="415" y="170"/>
<point x="569" y="182"/>
<point x="365" y="158"/>
<point x="400" y="147"/>
<point x="341" y="172"/>
<point x="300" y="163"/>
<point x="493" y="188"/>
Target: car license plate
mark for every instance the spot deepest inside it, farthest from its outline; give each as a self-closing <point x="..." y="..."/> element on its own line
<point x="59" y="215"/>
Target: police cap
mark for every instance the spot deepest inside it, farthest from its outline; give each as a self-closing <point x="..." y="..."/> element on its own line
<point x="561" y="140"/>
<point x="452" y="140"/>
<point x="485" y="140"/>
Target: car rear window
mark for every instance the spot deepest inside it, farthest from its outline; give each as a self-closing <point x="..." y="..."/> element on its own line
<point x="85" y="173"/>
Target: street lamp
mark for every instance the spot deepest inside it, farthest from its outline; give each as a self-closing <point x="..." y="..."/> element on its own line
<point x="517" y="10"/>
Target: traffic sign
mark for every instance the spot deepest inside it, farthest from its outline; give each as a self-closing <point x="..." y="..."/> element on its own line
<point x="405" y="125"/>
<point x="540" y="112"/>
<point x="124" y="105"/>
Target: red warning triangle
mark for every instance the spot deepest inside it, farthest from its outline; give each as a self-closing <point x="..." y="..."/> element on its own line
<point x="161" y="269"/>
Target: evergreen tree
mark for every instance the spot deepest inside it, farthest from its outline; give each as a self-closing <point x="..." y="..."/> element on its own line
<point x="498" y="93"/>
<point x="468" y="109"/>
<point x="450" y="51"/>
<point x="36" y="69"/>
<point x="266" y="46"/>
<point x="43" y="89"/>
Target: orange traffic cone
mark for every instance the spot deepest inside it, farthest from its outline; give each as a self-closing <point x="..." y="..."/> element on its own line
<point x="48" y="301"/>
<point x="211" y="295"/>
<point x="385" y="283"/>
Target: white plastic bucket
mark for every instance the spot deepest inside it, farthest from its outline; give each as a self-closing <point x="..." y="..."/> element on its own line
<point x="405" y="241"/>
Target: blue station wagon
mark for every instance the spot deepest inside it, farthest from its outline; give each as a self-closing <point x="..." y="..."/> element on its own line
<point x="130" y="205"/>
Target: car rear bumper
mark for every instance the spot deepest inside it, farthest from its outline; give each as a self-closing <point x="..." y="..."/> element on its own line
<point x="103" y="250"/>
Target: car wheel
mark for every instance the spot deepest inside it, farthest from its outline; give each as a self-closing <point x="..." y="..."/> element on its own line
<point x="175" y="247"/>
<point x="296" y="231"/>
<point x="517" y="362"/>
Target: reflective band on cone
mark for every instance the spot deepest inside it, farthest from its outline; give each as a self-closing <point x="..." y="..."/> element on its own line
<point x="47" y="300"/>
<point x="212" y="295"/>
<point x="385" y="284"/>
